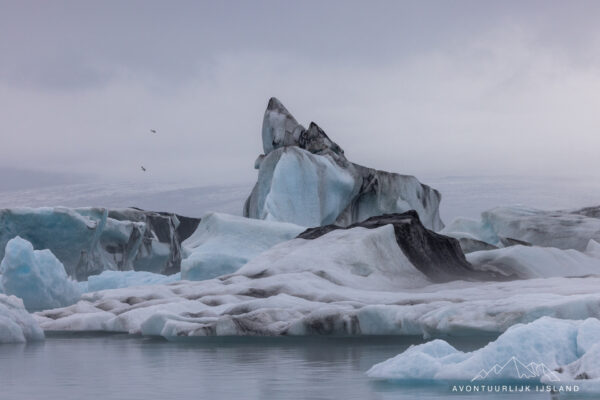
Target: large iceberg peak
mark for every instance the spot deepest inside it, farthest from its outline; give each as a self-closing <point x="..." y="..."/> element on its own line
<point x="316" y="141"/>
<point x="305" y="178"/>
<point x="280" y="128"/>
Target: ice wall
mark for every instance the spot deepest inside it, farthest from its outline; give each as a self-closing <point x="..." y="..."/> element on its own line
<point x="91" y="240"/>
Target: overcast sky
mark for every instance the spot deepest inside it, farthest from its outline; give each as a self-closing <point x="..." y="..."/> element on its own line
<point x="431" y="88"/>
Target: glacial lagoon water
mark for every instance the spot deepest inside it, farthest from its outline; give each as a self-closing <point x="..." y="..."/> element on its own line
<point x="121" y="367"/>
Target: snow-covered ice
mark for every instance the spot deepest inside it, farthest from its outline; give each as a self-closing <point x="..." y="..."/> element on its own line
<point x="344" y="282"/>
<point x="548" y="350"/>
<point x="36" y="276"/>
<point x="358" y="258"/>
<point x="303" y="303"/>
<point x="223" y="243"/>
<point x="16" y="324"/>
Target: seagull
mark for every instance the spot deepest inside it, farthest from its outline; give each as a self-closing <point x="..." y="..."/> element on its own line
<point x="143" y="169"/>
<point x="153" y="130"/>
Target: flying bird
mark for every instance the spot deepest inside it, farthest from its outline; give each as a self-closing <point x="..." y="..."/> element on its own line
<point x="143" y="169"/>
<point x="153" y="130"/>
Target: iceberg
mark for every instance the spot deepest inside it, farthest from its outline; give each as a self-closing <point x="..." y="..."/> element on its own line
<point x="438" y="257"/>
<point x="37" y="277"/>
<point x="309" y="303"/>
<point x="222" y="243"/>
<point x="504" y="226"/>
<point x="16" y="324"/>
<point x="160" y="250"/>
<point x="304" y="178"/>
<point x="358" y="258"/>
<point x="525" y="262"/>
<point x="547" y="350"/>
<point x="90" y="240"/>
<point x="355" y="281"/>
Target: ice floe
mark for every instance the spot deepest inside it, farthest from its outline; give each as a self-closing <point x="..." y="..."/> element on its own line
<point x="548" y="350"/>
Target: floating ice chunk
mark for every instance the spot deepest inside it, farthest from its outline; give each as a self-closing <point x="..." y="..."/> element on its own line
<point x="528" y="352"/>
<point x="88" y="241"/>
<point x="560" y="229"/>
<point x="419" y="363"/>
<point x="583" y="372"/>
<point x="524" y="262"/>
<point x="123" y="279"/>
<point x="16" y="324"/>
<point x="223" y="243"/>
<point x="59" y="229"/>
<point x="563" y="229"/>
<point x="36" y="276"/>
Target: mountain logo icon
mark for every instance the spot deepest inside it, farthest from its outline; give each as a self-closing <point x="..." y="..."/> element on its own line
<point x="514" y="368"/>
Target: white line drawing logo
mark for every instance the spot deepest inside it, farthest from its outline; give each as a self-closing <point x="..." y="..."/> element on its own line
<point x="514" y="368"/>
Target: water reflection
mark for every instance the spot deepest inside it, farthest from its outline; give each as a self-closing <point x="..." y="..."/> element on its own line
<point x="122" y="367"/>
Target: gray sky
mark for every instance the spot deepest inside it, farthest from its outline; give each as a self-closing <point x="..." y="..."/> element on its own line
<point x="423" y="87"/>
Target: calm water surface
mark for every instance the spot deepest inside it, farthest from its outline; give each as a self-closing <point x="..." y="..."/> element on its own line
<point x="129" y="368"/>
